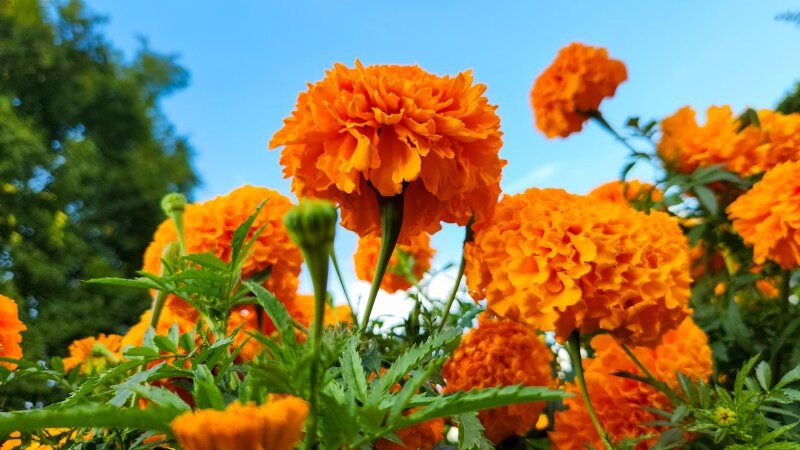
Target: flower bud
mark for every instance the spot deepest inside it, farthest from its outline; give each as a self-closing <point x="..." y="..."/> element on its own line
<point x="312" y="224"/>
<point x="173" y="202"/>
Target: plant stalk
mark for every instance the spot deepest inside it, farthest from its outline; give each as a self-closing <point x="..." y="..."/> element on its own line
<point x="574" y="349"/>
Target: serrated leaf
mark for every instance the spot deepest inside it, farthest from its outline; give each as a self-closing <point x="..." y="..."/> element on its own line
<point x="141" y="283"/>
<point x="352" y="370"/>
<point x="206" y="392"/>
<point x="764" y="375"/>
<point x="240" y="234"/>
<point x="275" y="310"/>
<point x="789" y="378"/>
<point x="414" y="356"/>
<point x="208" y="260"/>
<point x="163" y="343"/>
<point x="146" y="352"/>
<point x="470" y="432"/>
<point x="154" y="418"/>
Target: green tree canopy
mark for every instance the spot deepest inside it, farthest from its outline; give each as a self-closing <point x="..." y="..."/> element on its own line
<point x="85" y="156"/>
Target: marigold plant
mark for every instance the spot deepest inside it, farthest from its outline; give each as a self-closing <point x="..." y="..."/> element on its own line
<point x="412" y="259"/>
<point x="10" y="329"/>
<point x="620" y="402"/>
<point x="371" y="131"/>
<point x="563" y="262"/>
<point x="501" y="353"/>
<point x="768" y="216"/>
<point x="276" y="425"/>
<point x="571" y="89"/>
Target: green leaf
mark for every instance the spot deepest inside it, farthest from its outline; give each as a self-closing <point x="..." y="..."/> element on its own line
<point x="146" y="352"/>
<point x="411" y="387"/>
<point x="142" y="283"/>
<point x="240" y="234"/>
<point x="707" y="199"/>
<point x="789" y="378"/>
<point x="275" y="310"/>
<point x="207" y="260"/>
<point x="764" y="375"/>
<point x="470" y="432"/>
<point x="165" y="344"/>
<point x="414" y="356"/>
<point x="155" y="418"/>
<point x="775" y="434"/>
<point x="741" y="376"/>
<point x="206" y="392"/>
<point x="352" y="370"/>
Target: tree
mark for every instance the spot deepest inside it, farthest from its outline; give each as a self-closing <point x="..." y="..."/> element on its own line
<point x="791" y="102"/>
<point x="85" y="156"/>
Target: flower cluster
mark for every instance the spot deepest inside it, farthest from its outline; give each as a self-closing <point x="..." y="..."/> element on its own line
<point x="412" y="259"/>
<point x="768" y="216"/>
<point x="501" y="353"/>
<point x="620" y="402"/>
<point x="372" y="131"/>
<point x="563" y="262"/>
<point x="572" y="88"/>
<point x="686" y="145"/>
<point x="10" y="329"/>
<point x="276" y="425"/>
<point x="93" y="354"/>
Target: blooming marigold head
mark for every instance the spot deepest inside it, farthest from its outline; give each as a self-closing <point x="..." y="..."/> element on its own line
<point x="564" y="262"/>
<point x="10" y="331"/>
<point x="573" y="87"/>
<point x="501" y="353"/>
<point x="768" y="216"/>
<point x="93" y="354"/>
<point x="633" y="192"/>
<point x="209" y="227"/>
<point x="276" y="425"/>
<point x="760" y="147"/>
<point x="686" y="145"/>
<point x="394" y="130"/>
<point x="414" y="259"/>
<point x="620" y="402"/>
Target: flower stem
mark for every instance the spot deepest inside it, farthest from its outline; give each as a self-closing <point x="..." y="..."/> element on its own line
<point x="391" y="211"/>
<point x="468" y="236"/>
<point x="598" y="117"/>
<point x="344" y="288"/>
<point x="574" y="350"/>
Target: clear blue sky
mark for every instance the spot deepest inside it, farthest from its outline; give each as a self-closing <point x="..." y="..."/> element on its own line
<point x="248" y="61"/>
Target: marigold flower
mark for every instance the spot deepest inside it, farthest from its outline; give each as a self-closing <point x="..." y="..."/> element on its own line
<point x="626" y="193"/>
<point x="92" y="354"/>
<point x="563" y="262"/>
<point x="10" y="329"/>
<point x="686" y="145"/>
<point x="394" y="130"/>
<point x="209" y="227"/>
<point x="620" y="402"/>
<point x="768" y="216"/>
<point x="501" y="353"/>
<point x="423" y="436"/>
<point x="414" y="258"/>
<point x="276" y="425"/>
<point x="573" y="87"/>
<point x="15" y="440"/>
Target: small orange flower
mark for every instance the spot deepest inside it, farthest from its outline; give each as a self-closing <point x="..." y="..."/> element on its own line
<point x="768" y="216"/>
<point x="417" y="255"/>
<point x="573" y="87"/>
<point x="775" y="140"/>
<point x="394" y="130"/>
<point x="685" y="145"/>
<point x="630" y="192"/>
<point x="93" y="354"/>
<point x="10" y="329"/>
<point x="209" y="227"/>
<point x="277" y="425"/>
<point x="563" y="262"/>
<point x="620" y="402"/>
<point x="419" y="437"/>
<point x="501" y="353"/>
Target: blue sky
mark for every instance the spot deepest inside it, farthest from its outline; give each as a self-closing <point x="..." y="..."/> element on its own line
<point x="249" y="60"/>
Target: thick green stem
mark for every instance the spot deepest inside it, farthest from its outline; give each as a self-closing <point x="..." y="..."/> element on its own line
<point x="391" y="210"/>
<point x="158" y="305"/>
<point x="344" y="288"/>
<point x="607" y="126"/>
<point x="574" y="350"/>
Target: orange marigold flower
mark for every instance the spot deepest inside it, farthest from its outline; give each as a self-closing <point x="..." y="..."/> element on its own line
<point x="768" y="216"/>
<point x="414" y="258"/>
<point x="629" y="192"/>
<point x="685" y="145"/>
<point x="16" y="441"/>
<point x="563" y="262"/>
<point x="276" y="425"/>
<point x="209" y="227"/>
<point x="10" y="329"/>
<point x="93" y="354"/>
<point x="573" y="87"/>
<point x="620" y="402"/>
<point x="395" y="130"/>
<point x="501" y="353"/>
<point x="423" y="436"/>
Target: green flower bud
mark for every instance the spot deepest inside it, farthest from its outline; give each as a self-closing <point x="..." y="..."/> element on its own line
<point x="312" y="224"/>
<point x="173" y="203"/>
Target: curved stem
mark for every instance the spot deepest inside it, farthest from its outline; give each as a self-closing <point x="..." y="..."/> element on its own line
<point x="469" y="235"/>
<point x="391" y="211"/>
<point x="574" y="349"/>
<point x="344" y="288"/>
<point x="607" y="126"/>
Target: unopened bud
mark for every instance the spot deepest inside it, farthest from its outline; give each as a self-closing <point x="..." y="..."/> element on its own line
<point x="172" y="203"/>
<point x="312" y="224"/>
